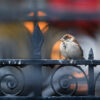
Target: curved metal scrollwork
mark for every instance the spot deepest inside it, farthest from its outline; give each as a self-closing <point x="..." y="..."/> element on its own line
<point x="68" y="83"/>
<point x="97" y="77"/>
<point x="96" y="84"/>
<point x="11" y="81"/>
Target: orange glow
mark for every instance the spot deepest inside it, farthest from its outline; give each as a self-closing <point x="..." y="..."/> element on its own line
<point x="29" y="26"/>
<point x="81" y="87"/>
<point x="79" y="75"/>
<point x="40" y="13"/>
<point x="31" y="14"/>
<point x="72" y="86"/>
<point x="42" y="25"/>
<point x="55" y="54"/>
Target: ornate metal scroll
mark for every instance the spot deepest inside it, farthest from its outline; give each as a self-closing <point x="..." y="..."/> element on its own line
<point x="68" y="83"/>
<point x="12" y="81"/>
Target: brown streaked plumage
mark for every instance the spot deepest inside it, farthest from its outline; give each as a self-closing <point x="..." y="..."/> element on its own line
<point x="70" y="48"/>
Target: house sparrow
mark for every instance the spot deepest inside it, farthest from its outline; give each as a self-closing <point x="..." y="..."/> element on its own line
<point x="70" y="48"/>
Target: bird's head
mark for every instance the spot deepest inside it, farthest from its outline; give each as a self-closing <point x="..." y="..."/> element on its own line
<point x="67" y="38"/>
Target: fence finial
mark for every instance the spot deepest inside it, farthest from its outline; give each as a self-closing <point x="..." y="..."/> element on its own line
<point x="37" y="41"/>
<point x="91" y="54"/>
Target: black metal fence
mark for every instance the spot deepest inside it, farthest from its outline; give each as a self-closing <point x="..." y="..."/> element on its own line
<point x="37" y="38"/>
<point x="37" y="62"/>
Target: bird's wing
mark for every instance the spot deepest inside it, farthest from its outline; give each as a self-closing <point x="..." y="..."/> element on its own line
<point x="79" y="46"/>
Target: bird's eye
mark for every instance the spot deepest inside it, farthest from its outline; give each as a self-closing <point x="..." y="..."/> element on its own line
<point x="65" y="37"/>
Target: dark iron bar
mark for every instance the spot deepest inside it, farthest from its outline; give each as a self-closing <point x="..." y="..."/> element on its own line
<point x="51" y="98"/>
<point x="66" y="17"/>
<point x="47" y="61"/>
<point x="91" y="82"/>
<point x="37" y="55"/>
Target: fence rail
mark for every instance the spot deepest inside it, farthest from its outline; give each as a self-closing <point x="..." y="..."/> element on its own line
<point x="48" y="61"/>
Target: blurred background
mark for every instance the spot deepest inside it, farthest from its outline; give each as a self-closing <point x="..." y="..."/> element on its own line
<point x="55" y="18"/>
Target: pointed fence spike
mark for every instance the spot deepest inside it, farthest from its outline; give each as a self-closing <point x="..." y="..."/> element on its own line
<point x="91" y="54"/>
<point x="37" y="41"/>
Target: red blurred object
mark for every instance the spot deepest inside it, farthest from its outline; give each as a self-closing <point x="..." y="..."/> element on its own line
<point x="77" y="6"/>
<point x="80" y="6"/>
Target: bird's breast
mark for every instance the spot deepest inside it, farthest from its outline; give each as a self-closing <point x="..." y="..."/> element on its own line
<point x="72" y="50"/>
<point x="63" y="50"/>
